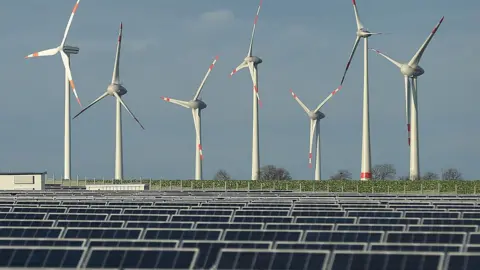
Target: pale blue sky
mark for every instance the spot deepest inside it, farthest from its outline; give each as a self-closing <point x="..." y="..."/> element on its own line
<point x="168" y="46"/>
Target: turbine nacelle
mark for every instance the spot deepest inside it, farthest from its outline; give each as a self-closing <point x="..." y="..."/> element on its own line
<point x="197" y="104"/>
<point x="116" y="88"/>
<point x="253" y="59"/>
<point x="316" y="115"/>
<point x="69" y="49"/>
<point x="364" y="33"/>
<point x="411" y="71"/>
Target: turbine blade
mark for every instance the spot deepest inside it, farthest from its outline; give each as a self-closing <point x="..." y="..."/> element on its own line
<point x="250" y="49"/>
<point x="313" y="124"/>
<point x="329" y="97"/>
<point x="66" y="64"/>
<point x="305" y="108"/>
<point x="416" y="58"/>
<point x="407" y="105"/>
<point x="205" y="78"/>
<point x="91" y="104"/>
<point x="196" y="122"/>
<point x="128" y="110"/>
<point x="355" y="45"/>
<point x="396" y="63"/>
<point x="48" y="52"/>
<point x="254" y="75"/>
<point x="243" y="65"/>
<point x="357" y="17"/>
<point x="176" y="101"/>
<point x="116" y="67"/>
<point x="69" y="24"/>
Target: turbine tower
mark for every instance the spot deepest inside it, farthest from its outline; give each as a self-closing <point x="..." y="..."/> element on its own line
<point x="411" y="71"/>
<point x="252" y="63"/>
<point x="116" y="89"/>
<point x="363" y="32"/>
<point x="315" y="117"/>
<point x="197" y="105"/>
<point x="65" y="52"/>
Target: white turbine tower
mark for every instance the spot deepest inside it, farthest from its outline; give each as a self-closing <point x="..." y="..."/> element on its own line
<point x="197" y="105"/>
<point x="315" y="117"/>
<point x="411" y="71"/>
<point x="363" y="32"/>
<point x="65" y="52"/>
<point x="116" y="89"/>
<point x="252" y="62"/>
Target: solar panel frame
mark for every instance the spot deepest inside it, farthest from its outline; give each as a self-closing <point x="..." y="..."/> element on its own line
<point x="372" y="246"/>
<point x="192" y="218"/>
<point x="228" y="232"/>
<point x="79" y="229"/>
<point x="119" y="241"/>
<point x="157" y="224"/>
<point x="450" y="234"/>
<point x="138" y="217"/>
<point x="69" y="216"/>
<point x="26" y="223"/>
<point x="93" y="249"/>
<point x="49" y="209"/>
<point x="332" y="256"/>
<point x="326" y="220"/>
<point x="36" y="229"/>
<point x="262" y="219"/>
<point x="370" y="227"/>
<point x="425" y="214"/>
<point x="91" y="210"/>
<point x="82" y="242"/>
<point x="89" y="223"/>
<point x="451" y="254"/>
<point x="391" y="214"/>
<point x="218" y="225"/>
<point x="406" y="221"/>
<point x="344" y="234"/>
<point x="148" y="230"/>
<point x="321" y="226"/>
<point x="48" y="249"/>
<point x="226" y="250"/>
<point x="466" y="228"/>
<point x="23" y="215"/>
<point x="278" y="244"/>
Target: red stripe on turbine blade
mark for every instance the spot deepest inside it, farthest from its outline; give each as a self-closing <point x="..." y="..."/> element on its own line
<point x="166" y="98"/>
<point x="436" y="27"/>
<point x="75" y="8"/>
<point x="200" y="147"/>
<point x="365" y="175"/>
<point x="408" y="141"/>
<point x="354" y="2"/>
<point x="408" y="127"/>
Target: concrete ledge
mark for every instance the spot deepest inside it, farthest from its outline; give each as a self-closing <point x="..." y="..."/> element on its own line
<point x="118" y="187"/>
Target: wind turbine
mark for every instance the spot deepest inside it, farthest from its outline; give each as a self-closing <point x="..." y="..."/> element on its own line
<point x="411" y="71"/>
<point x="363" y="32"/>
<point x="116" y="89"/>
<point x="197" y="105"/>
<point x="315" y="117"/>
<point x="65" y="52"/>
<point x="252" y="63"/>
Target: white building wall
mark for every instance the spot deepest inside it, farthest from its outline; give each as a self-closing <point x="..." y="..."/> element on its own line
<point x="22" y="181"/>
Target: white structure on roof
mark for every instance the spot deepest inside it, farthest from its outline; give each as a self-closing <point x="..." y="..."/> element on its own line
<point x="118" y="187"/>
<point x="22" y="181"/>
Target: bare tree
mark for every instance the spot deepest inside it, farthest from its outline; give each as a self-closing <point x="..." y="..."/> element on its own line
<point x="383" y="172"/>
<point x="342" y="175"/>
<point x="430" y="176"/>
<point x="451" y="174"/>
<point x="222" y="175"/>
<point x="271" y="172"/>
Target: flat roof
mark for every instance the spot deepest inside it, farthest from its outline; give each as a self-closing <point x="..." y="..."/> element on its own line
<point x="21" y="173"/>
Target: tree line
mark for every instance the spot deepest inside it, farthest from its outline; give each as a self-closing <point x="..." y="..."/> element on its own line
<point x="379" y="172"/>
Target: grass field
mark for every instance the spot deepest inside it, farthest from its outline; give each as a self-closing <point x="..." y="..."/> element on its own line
<point x="387" y="186"/>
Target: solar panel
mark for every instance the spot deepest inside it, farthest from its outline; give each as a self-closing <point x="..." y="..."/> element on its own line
<point x="331" y="246"/>
<point x="253" y="219"/>
<point x="443" y="228"/>
<point x="178" y="218"/>
<point x="208" y="251"/>
<point x="262" y="235"/>
<point x="462" y="261"/>
<point x="26" y="223"/>
<point x="152" y="258"/>
<point x="130" y="203"/>
<point x="148" y="224"/>
<point x="366" y="260"/>
<point x="22" y="215"/>
<point x="225" y="225"/>
<point x="90" y="223"/>
<point x="299" y="226"/>
<point x="451" y="221"/>
<point x="30" y="232"/>
<point x="473" y="248"/>
<point x="405" y="221"/>
<point x="343" y="236"/>
<point x="42" y="242"/>
<point x="183" y="234"/>
<point x="374" y="214"/>
<point x="65" y="257"/>
<point x="5" y="209"/>
<point x="270" y="212"/>
<point x="144" y="211"/>
<point x="271" y="259"/>
<point x="313" y="213"/>
<point x="415" y="247"/>
<point x="265" y="208"/>
<point x="138" y="217"/>
<point x="370" y="227"/>
<point x="72" y="216"/>
<point x="134" y="243"/>
<point x="95" y="210"/>
<point x="426" y="237"/>
<point x="89" y="203"/>
<point x="103" y="233"/>
<point x="200" y="212"/>
<point x="334" y="220"/>
<point x="432" y="214"/>
<point x="39" y="209"/>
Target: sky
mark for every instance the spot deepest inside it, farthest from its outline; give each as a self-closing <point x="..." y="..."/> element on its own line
<point x="167" y="48"/>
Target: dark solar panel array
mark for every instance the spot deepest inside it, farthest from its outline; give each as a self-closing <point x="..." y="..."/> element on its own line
<point x="237" y="230"/>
